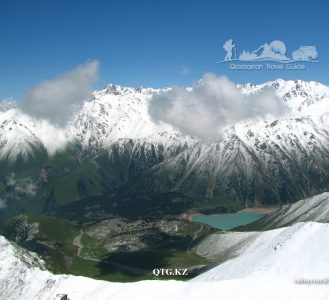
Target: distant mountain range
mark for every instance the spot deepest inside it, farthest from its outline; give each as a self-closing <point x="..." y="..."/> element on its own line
<point x="113" y="159"/>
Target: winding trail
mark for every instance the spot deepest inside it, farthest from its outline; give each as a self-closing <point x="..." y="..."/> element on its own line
<point x="196" y="233"/>
<point x="77" y="242"/>
<point x="194" y="237"/>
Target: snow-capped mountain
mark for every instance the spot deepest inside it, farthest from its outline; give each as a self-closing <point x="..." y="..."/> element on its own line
<point x="117" y="112"/>
<point x="278" y="160"/>
<point x="287" y="263"/>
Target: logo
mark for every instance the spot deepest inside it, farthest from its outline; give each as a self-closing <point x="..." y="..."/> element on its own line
<point x="275" y="51"/>
<point x="170" y="272"/>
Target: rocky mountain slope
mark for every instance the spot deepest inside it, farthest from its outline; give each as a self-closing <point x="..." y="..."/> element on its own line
<point x="112" y="149"/>
<point x="315" y="208"/>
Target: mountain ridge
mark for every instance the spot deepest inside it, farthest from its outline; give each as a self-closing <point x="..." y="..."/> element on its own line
<point x="106" y="114"/>
<point x="114" y="138"/>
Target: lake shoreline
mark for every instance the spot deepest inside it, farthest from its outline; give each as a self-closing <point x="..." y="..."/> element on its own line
<point x="263" y="210"/>
<point x="228" y="221"/>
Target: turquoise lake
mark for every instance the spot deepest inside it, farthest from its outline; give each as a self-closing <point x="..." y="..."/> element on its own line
<point x="227" y="221"/>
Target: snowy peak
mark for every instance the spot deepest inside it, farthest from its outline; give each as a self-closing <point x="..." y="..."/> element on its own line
<point x="118" y="112"/>
<point x="21" y="136"/>
<point x="119" y="90"/>
<point x="16" y="137"/>
<point x="253" y="161"/>
<point x="298" y="88"/>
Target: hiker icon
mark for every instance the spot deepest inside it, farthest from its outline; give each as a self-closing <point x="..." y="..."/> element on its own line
<point x="228" y="47"/>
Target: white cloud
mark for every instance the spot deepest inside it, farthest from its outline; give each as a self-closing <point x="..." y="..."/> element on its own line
<point x="3" y="203"/>
<point x="211" y="104"/>
<point x="54" y="100"/>
<point x="184" y="70"/>
<point x="22" y="186"/>
<point x="7" y="103"/>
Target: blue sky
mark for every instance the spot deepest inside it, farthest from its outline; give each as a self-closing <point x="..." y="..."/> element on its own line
<point x="152" y="43"/>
